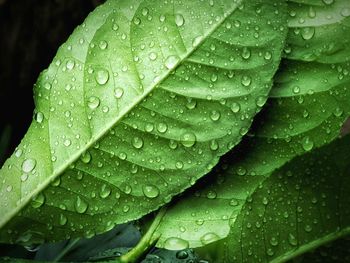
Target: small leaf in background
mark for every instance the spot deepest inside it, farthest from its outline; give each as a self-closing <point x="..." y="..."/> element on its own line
<point x="299" y="207"/>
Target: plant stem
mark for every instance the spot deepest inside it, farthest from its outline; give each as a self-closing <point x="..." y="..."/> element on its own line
<point x="146" y="241"/>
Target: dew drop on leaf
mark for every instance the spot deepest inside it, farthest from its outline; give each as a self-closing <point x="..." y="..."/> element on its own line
<point x="105" y="191"/>
<point x="162" y="127"/>
<point x="179" y="20"/>
<point x="209" y="238"/>
<point x="175" y="243"/>
<point x="80" y="205"/>
<point x="171" y="62"/>
<point x="39" y="117"/>
<point x="182" y="254"/>
<point x="102" y="76"/>
<point x="235" y="107"/>
<point x="328" y="2"/>
<point x="246" y="81"/>
<point x="93" y="102"/>
<point x="38" y="200"/>
<point x="292" y="240"/>
<point x="152" y="56"/>
<point x="307" y="144"/>
<point x="70" y="64"/>
<point x="188" y="139"/>
<point x="103" y="44"/>
<point x="307" y="33"/>
<point x="345" y="12"/>
<point x="85" y="157"/>
<point x="28" y="165"/>
<point x="118" y="93"/>
<point x="137" y="142"/>
<point x="63" y="220"/>
<point x="150" y="191"/>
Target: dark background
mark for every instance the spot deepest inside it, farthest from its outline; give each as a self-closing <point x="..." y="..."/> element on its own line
<point x="30" y="33"/>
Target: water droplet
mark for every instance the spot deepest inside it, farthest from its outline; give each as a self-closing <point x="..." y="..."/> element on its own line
<point x="149" y="127"/>
<point x="312" y="13"/>
<point x="214" y="145"/>
<point x="234" y="202"/>
<point x="39" y="117"/>
<point x="345" y="12"/>
<point x="118" y="93"/>
<point x="70" y="64"/>
<point x="18" y="153"/>
<point x="144" y="11"/>
<point x="63" y="220"/>
<point x="274" y="241"/>
<point x="93" y="102"/>
<point x="179" y="165"/>
<point x="209" y="238"/>
<point x="24" y="177"/>
<point x="102" y="76"/>
<point x="137" y="21"/>
<point x="182" y="254"/>
<point x="162" y="127"/>
<point x="152" y="56"/>
<point x="179" y="20"/>
<point x="103" y="44"/>
<point x="296" y="89"/>
<point x="260" y="101"/>
<point x="105" y="191"/>
<point x="211" y="195"/>
<point x="307" y="144"/>
<point x="307" y="32"/>
<point x="191" y="103"/>
<point x="28" y="165"/>
<point x="268" y="55"/>
<point x="246" y="53"/>
<point x="67" y="142"/>
<point x="85" y="157"/>
<point x="137" y="142"/>
<point x="38" y="200"/>
<point x="80" y="205"/>
<point x="328" y="2"/>
<point x="215" y="115"/>
<point x="246" y="81"/>
<point x="150" y="191"/>
<point x="292" y="240"/>
<point x="338" y="112"/>
<point x="235" y="107"/>
<point x="308" y="228"/>
<point x="171" y="62"/>
<point x="188" y="139"/>
<point x="175" y="243"/>
<point x="214" y="77"/>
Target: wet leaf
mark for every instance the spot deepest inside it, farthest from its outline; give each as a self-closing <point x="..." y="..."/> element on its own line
<point x="138" y="104"/>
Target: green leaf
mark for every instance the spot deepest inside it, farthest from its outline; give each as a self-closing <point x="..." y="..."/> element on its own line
<point x="335" y="252"/>
<point x="139" y="103"/>
<point x="299" y="207"/>
<point x="293" y="122"/>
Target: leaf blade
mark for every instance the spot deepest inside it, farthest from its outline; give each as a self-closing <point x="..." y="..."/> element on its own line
<point x="182" y="144"/>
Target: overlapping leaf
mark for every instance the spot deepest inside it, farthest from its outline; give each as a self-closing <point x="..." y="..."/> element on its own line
<point x="139" y="103"/>
<point x="299" y="207"/>
<point x="307" y="107"/>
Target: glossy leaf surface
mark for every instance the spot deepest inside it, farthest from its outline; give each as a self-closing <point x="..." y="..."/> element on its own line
<point x="138" y="104"/>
